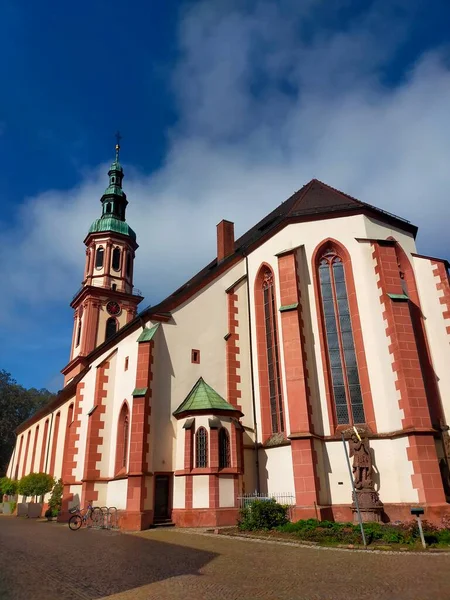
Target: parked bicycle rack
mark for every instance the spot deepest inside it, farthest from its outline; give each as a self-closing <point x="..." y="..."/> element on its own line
<point x="109" y="518"/>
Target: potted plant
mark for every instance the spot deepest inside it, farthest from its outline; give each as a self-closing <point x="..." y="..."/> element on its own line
<point x="8" y="491"/>
<point x="55" y="502"/>
<point x="32" y="485"/>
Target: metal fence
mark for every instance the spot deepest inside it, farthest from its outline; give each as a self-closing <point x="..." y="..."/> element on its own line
<point x="286" y="499"/>
<point x="105" y="518"/>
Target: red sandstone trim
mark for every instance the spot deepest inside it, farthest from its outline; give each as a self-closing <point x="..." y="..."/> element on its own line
<point x="410" y="384"/>
<point x="33" y="455"/>
<point x="421" y="338"/>
<point x="54" y="444"/>
<point x="95" y="435"/>
<point x="261" y="348"/>
<point x="232" y="352"/>
<point x="214" y="491"/>
<point x="43" y="447"/>
<point x="357" y="335"/>
<point x="140" y="431"/>
<point x="443" y="286"/>
<point x="204" y="517"/>
<point x="24" y="466"/>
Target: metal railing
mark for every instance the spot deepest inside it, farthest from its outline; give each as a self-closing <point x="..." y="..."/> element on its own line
<point x="109" y="519"/>
<point x="282" y="498"/>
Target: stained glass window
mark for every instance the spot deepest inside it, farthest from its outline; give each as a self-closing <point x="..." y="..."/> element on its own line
<point x="201" y="448"/>
<point x="339" y="338"/>
<point x="273" y="367"/>
<point x="224" y="448"/>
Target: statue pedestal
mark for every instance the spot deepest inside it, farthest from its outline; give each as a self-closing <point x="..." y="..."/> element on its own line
<point x="370" y="506"/>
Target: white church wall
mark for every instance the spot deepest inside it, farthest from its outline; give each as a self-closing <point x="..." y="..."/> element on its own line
<point x="381" y="231"/>
<point x="249" y="471"/>
<point x="340" y="487"/>
<point x="76" y="491"/>
<point x="226" y="491"/>
<point x="393" y="470"/>
<point x="116" y="495"/>
<point x="179" y="492"/>
<point x="63" y="410"/>
<point x="179" y="445"/>
<point x="435" y="327"/>
<point x="86" y="405"/>
<point x="200" y="491"/>
<point x="276" y="471"/>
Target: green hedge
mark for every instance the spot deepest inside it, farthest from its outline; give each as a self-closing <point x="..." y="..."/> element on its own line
<point x="262" y="515"/>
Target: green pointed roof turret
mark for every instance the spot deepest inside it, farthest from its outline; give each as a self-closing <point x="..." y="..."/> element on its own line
<point x="203" y="397"/>
<point x="114" y="202"/>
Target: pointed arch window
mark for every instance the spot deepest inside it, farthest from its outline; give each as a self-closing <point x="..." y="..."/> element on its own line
<point x="201" y="448"/>
<point x="99" y="257"/>
<point x="123" y="435"/>
<point x="116" y="259"/>
<point x="111" y="328"/>
<point x="346" y="388"/>
<point x="271" y="341"/>
<point x="224" y="449"/>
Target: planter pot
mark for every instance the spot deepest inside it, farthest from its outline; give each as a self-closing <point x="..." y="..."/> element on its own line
<point x="52" y="519"/>
<point x="1" y="507"/>
<point x="34" y="510"/>
<point x="22" y="509"/>
<point x="7" y="508"/>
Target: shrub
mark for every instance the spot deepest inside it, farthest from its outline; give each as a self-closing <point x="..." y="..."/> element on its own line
<point x="55" y="502"/>
<point x="262" y="515"/>
<point x="36" y="484"/>
<point x="8" y="486"/>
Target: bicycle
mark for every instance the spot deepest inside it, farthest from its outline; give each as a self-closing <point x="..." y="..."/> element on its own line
<point x="83" y="516"/>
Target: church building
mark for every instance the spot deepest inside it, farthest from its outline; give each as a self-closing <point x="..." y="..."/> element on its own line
<point x="321" y="317"/>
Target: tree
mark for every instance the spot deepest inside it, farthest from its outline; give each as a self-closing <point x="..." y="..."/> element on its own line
<point x="55" y="502"/>
<point x="36" y="484"/>
<point x="16" y="405"/>
<point x="7" y="486"/>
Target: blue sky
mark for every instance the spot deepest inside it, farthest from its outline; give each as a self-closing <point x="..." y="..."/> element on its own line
<point x="225" y="108"/>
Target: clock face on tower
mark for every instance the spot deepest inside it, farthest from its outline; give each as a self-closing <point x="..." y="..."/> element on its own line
<point x="113" y="308"/>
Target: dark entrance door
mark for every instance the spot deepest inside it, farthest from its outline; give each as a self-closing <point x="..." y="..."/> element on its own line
<point x="162" y="486"/>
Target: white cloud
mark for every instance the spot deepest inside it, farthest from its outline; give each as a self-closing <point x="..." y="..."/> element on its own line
<point x="266" y="104"/>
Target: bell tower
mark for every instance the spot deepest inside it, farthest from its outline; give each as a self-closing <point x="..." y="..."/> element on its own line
<point x="107" y="299"/>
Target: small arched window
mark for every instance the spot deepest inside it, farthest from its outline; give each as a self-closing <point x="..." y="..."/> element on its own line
<point x="201" y="448"/>
<point x="108" y="207"/>
<point x="224" y="448"/>
<point x="116" y="259"/>
<point x="123" y="430"/>
<point x="99" y="257"/>
<point x="128" y="265"/>
<point x="346" y="388"/>
<point x="111" y="328"/>
<point x="113" y="179"/>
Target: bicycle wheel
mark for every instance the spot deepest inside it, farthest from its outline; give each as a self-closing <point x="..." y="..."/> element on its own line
<point x="75" y="522"/>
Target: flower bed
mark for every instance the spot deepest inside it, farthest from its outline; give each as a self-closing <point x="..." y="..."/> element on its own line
<point x="269" y="520"/>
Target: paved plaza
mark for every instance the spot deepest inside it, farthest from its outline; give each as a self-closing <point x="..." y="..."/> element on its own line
<point x="47" y="561"/>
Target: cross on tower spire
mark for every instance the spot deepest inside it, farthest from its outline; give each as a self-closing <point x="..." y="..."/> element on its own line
<point x="118" y="138"/>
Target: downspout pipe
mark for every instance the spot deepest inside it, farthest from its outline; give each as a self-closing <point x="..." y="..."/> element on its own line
<point x="255" y="424"/>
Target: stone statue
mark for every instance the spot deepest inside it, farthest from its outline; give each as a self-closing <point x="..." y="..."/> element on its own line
<point x="362" y="462"/>
<point x="370" y="506"/>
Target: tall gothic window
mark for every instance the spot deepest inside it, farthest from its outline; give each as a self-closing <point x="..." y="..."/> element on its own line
<point x="201" y="448"/>
<point x="224" y="448"/>
<point x="273" y="367"/>
<point x="116" y="259"/>
<point x="99" y="257"/>
<point x="346" y="387"/>
<point x="111" y="328"/>
<point x="123" y="432"/>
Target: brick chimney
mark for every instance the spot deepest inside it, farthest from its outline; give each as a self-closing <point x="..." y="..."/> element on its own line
<point x="225" y="240"/>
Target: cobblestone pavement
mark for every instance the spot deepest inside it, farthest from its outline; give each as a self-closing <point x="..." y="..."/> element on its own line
<point x="47" y="561"/>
